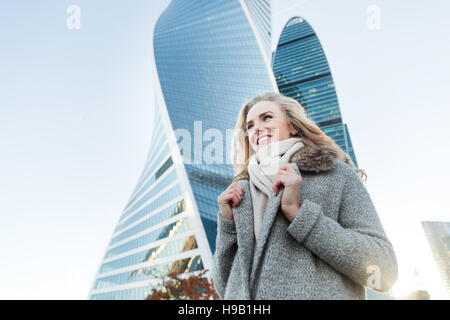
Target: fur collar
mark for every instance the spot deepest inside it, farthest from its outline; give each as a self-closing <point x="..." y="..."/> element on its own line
<point x="308" y="159"/>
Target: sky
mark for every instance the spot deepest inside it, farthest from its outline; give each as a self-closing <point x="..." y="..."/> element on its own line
<point x="76" y="111"/>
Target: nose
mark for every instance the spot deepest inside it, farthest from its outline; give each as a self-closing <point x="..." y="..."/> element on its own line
<point x="260" y="128"/>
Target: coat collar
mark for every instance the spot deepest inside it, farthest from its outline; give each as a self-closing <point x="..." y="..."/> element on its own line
<point x="308" y="159"/>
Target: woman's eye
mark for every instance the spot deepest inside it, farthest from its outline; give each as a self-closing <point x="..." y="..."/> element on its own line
<point x="265" y="117"/>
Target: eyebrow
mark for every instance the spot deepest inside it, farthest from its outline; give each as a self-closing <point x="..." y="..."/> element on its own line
<point x="261" y="115"/>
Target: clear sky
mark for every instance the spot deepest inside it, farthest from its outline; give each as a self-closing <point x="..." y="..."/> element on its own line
<point x="76" y="118"/>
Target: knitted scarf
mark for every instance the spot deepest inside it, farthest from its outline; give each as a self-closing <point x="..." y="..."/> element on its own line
<point x="262" y="168"/>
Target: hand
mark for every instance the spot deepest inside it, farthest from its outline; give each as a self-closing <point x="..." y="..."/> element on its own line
<point x="292" y="182"/>
<point x="230" y="198"/>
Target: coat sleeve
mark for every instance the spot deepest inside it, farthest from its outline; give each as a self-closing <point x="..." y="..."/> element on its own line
<point x="355" y="245"/>
<point x="226" y="247"/>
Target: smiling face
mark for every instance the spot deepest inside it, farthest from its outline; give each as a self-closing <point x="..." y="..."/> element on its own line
<point x="267" y="123"/>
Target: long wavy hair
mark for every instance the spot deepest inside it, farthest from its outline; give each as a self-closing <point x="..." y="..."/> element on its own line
<point x="297" y="118"/>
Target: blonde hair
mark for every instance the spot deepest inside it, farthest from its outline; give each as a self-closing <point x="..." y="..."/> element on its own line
<point x="297" y="118"/>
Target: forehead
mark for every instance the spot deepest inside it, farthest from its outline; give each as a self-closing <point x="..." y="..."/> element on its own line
<point x="262" y="107"/>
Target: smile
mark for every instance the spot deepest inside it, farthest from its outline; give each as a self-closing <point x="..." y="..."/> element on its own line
<point x="262" y="138"/>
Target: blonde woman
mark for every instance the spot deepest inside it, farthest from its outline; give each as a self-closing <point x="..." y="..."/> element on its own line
<point x="297" y="221"/>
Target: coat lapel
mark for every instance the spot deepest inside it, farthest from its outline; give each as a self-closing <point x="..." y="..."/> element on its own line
<point x="273" y="205"/>
<point x="243" y="216"/>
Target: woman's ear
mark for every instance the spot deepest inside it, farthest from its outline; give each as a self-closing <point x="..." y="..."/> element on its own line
<point x="293" y="131"/>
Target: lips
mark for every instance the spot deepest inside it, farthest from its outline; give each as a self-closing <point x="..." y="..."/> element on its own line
<point x="259" y="138"/>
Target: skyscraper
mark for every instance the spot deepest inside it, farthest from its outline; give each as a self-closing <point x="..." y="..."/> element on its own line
<point x="302" y="72"/>
<point x="438" y="235"/>
<point x="210" y="56"/>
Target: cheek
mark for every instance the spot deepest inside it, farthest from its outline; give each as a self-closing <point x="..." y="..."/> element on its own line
<point x="252" y="138"/>
<point x="283" y="131"/>
<point x="252" y="144"/>
<point x="280" y="128"/>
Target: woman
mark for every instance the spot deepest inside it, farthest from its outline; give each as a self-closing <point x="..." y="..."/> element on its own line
<point x="297" y="221"/>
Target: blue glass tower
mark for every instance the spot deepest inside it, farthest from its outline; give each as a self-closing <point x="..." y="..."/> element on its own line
<point x="302" y="72"/>
<point x="210" y="56"/>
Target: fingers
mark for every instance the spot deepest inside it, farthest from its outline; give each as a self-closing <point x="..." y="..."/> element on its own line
<point x="236" y="199"/>
<point x="285" y="176"/>
<point x="236" y="188"/>
<point x="277" y="182"/>
<point x="287" y="171"/>
<point x="279" y="178"/>
<point x="286" y="168"/>
<point x="234" y="194"/>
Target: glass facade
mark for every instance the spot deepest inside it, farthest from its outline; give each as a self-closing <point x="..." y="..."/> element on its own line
<point x="302" y="72"/>
<point x="438" y="235"/>
<point x="260" y="13"/>
<point x="210" y="57"/>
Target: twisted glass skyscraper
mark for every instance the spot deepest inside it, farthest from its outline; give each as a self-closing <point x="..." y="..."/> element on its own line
<point x="210" y="56"/>
<point x="302" y="72"/>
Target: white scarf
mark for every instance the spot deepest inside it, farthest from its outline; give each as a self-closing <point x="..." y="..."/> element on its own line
<point x="262" y="167"/>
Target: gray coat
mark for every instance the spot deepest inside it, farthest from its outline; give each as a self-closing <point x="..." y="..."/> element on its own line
<point x="333" y="248"/>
